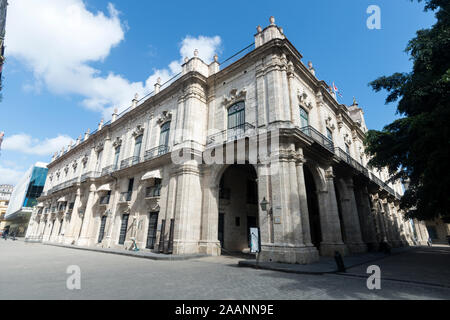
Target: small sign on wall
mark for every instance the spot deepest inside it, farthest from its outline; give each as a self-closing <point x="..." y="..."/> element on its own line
<point x="277" y="220"/>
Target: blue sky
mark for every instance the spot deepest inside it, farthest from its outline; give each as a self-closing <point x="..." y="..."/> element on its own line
<point x="70" y="62"/>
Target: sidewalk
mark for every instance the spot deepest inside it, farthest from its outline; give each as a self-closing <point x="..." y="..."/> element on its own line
<point x="137" y="254"/>
<point x="325" y="264"/>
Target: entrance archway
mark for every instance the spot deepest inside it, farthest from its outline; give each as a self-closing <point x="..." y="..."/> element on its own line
<point x="313" y="208"/>
<point x="238" y="207"/>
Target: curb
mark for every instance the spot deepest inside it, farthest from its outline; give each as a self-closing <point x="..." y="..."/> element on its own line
<point x="247" y="264"/>
<point x="132" y="254"/>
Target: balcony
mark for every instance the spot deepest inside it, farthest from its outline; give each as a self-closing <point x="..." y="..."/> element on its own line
<point x="318" y="137"/>
<point x="108" y="170"/>
<point x="156" y="152"/>
<point x="104" y="200"/>
<point x="125" y="196"/>
<point x="153" y="192"/>
<point x="89" y="175"/>
<point x="232" y="134"/>
<point x="350" y="161"/>
<point x="129" y="162"/>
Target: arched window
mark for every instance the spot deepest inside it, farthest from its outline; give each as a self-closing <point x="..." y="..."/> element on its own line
<point x="236" y="115"/>
<point x="304" y="118"/>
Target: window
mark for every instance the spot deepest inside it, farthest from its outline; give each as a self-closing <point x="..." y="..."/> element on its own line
<point x="347" y="148"/>
<point x="116" y="157"/>
<point x="304" y="119"/>
<point x="155" y="190"/>
<point x="236" y="115"/>
<point x="164" y="136"/>
<point x="99" y="161"/>
<point x="137" y="149"/>
<point x="329" y="134"/>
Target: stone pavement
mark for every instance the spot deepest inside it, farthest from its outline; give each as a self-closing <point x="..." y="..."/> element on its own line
<point x="36" y="271"/>
<point x="424" y="265"/>
<point x="325" y="265"/>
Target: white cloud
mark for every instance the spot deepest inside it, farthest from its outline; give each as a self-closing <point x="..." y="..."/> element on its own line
<point x="58" y="39"/>
<point x="26" y="144"/>
<point x="10" y="176"/>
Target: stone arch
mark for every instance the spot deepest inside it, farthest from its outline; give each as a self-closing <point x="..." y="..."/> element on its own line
<point x="238" y="205"/>
<point x="318" y="175"/>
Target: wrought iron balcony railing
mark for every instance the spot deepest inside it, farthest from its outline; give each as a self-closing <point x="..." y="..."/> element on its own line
<point x="156" y="152"/>
<point x="125" y="196"/>
<point x="231" y="134"/>
<point x="318" y="137"/>
<point x="129" y="162"/>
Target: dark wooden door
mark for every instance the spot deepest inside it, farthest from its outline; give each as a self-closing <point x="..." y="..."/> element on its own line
<point x="152" y="228"/>
<point x="101" y="233"/>
<point x="123" y="228"/>
<point x="221" y="229"/>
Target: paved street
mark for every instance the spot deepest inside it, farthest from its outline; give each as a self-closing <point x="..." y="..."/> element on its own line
<point x="36" y="271"/>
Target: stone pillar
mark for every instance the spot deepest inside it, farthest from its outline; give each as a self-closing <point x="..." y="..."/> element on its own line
<point x="188" y="208"/>
<point x="368" y="222"/>
<point x="287" y="246"/>
<point x="209" y="243"/>
<point x="329" y="219"/>
<point x="303" y="201"/>
<point x="351" y="220"/>
<point x="84" y="239"/>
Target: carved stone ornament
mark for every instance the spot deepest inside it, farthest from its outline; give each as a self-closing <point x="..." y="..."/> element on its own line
<point x="164" y="117"/>
<point x="66" y="169"/>
<point x="99" y="147"/>
<point x="303" y="99"/>
<point x="117" y="142"/>
<point x="58" y="173"/>
<point x="234" y="97"/>
<point x="329" y="123"/>
<point x="340" y="122"/>
<point x="138" y="131"/>
<point x="347" y="139"/>
<point x="74" y="165"/>
<point x="85" y="159"/>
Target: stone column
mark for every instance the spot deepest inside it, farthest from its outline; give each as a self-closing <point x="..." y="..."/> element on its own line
<point x="368" y="218"/>
<point x="188" y="208"/>
<point x="84" y="239"/>
<point x="329" y="219"/>
<point x="287" y="246"/>
<point x="303" y="201"/>
<point x="209" y="243"/>
<point x="351" y="220"/>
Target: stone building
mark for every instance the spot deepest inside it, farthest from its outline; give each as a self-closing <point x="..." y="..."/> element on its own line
<point x="120" y="184"/>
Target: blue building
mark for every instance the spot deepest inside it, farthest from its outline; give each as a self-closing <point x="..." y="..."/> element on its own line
<point x="24" y="198"/>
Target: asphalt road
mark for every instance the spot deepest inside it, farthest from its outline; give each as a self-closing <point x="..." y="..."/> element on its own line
<point x="36" y="271"/>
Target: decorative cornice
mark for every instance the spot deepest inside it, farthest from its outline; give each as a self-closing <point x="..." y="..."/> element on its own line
<point x="234" y="97"/>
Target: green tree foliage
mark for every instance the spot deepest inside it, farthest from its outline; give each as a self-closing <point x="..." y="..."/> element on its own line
<point x="416" y="147"/>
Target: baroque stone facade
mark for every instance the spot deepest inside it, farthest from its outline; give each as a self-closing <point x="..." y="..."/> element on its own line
<point x="120" y="184"/>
